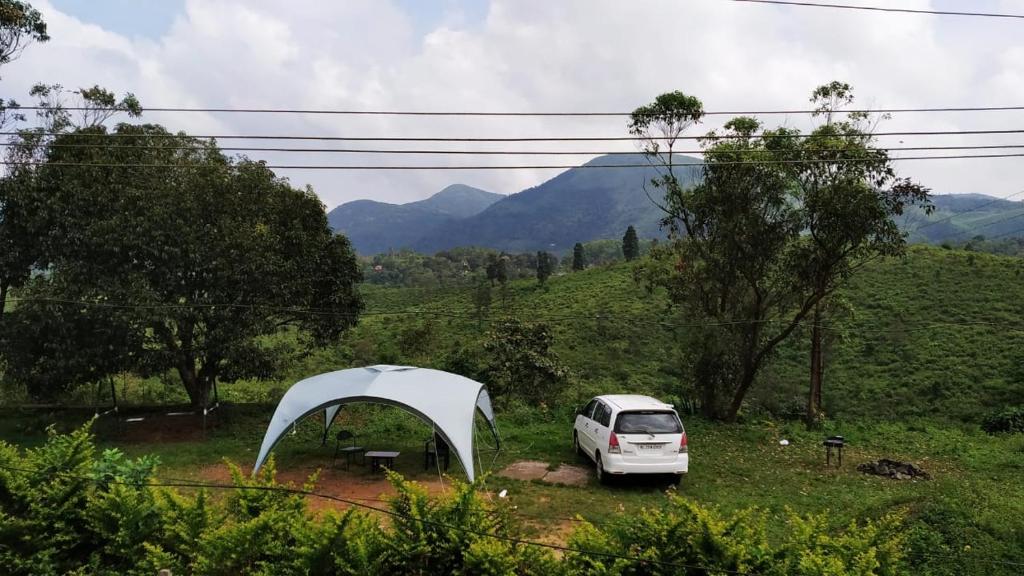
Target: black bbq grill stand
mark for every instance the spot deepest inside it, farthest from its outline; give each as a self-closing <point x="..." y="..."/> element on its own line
<point x="831" y="442"/>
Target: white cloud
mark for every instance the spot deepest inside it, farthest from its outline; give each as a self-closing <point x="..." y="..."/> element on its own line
<point x="537" y="55"/>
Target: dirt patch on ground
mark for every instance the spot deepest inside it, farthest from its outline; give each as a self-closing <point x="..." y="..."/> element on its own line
<point x="569" y="475"/>
<point x="363" y="488"/>
<point x="534" y="470"/>
<point x="525" y="470"/>
<point x="556" y="534"/>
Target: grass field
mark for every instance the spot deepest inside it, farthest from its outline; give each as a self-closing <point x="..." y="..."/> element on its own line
<point x="969" y="515"/>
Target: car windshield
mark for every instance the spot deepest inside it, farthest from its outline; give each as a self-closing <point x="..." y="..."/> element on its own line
<point x="648" y="422"/>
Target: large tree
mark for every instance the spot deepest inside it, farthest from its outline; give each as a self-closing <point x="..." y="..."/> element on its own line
<point x="630" y="244"/>
<point x="206" y="255"/>
<point x="27" y="213"/>
<point x="760" y="240"/>
<point x="851" y="193"/>
<point x="520" y="362"/>
<point x="578" y="262"/>
<point x="545" y="266"/>
<point x="20" y="25"/>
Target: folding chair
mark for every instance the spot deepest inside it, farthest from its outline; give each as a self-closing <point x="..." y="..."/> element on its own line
<point x="436" y="448"/>
<point x="348" y="451"/>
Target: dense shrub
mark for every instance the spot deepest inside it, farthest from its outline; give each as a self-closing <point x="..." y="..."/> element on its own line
<point x="1008" y="420"/>
<point x="684" y="534"/>
<point x="64" y="509"/>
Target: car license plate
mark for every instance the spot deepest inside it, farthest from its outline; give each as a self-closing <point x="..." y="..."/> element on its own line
<point x="649" y="447"/>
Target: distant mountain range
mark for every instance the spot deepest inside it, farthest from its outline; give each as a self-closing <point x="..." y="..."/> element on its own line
<point x="375" y="227"/>
<point x="590" y="203"/>
<point x="578" y="205"/>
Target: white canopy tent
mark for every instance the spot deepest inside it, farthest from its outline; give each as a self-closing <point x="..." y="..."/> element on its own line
<point x="447" y="401"/>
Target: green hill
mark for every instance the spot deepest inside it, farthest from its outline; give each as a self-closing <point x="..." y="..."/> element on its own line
<point x="578" y="205"/>
<point x="375" y="227"/>
<point x="587" y="203"/>
<point x="959" y="217"/>
<point x="938" y="333"/>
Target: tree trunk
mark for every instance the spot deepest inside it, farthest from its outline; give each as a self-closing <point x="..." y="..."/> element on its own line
<point x="4" y="287"/>
<point x="747" y="380"/>
<point x="197" y="389"/>
<point x="709" y="401"/>
<point x="814" y="394"/>
<point x="751" y="363"/>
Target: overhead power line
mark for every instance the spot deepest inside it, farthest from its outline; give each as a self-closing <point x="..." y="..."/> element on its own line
<point x="495" y="139"/>
<point x="513" y="167"/>
<point x="454" y="113"/>
<point x="975" y="209"/>
<point x="988" y="225"/>
<point x="1018" y="232"/>
<point x="883" y="9"/>
<point x="494" y="152"/>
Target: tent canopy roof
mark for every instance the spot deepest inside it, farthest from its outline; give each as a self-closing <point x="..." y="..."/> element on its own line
<point x="445" y="400"/>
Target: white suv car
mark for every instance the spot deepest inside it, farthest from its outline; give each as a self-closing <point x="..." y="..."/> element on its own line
<point x="631" y="434"/>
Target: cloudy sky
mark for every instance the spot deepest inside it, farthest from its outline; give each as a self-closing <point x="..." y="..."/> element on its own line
<point x="530" y="55"/>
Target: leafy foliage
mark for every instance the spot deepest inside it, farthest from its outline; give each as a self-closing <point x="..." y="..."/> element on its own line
<point x="67" y="509"/>
<point x="686" y="534"/>
<point x="200" y="265"/>
<point x="630" y="245"/>
<point x="520" y="362"/>
<point x="579" y="261"/>
<point x="739" y="263"/>
<point x="1008" y="420"/>
<point x="546" y="264"/>
<point x="20" y="25"/>
<point x="925" y="337"/>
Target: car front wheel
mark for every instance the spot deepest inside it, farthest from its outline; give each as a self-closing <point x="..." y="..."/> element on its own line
<point x="576" y="444"/>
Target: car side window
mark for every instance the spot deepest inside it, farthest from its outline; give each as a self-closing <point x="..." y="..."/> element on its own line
<point x="588" y="410"/>
<point x="602" y="414"/>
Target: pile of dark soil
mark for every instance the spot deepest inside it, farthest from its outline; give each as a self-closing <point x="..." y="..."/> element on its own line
<point x="893" y="469"/>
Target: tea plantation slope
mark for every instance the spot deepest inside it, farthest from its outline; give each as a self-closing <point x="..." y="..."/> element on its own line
<point x="939" y="333"/>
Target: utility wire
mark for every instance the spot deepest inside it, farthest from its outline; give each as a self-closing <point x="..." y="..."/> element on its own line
<point x="508" y="139"/>
<point x="513" y="167"/>
<point x="181" y="109"/>
<point x="975" y="209"/>
<point x="1019" y="231"/>
<point x="495" y="152"/>
<point x="883" y="9"/>
<point x="988" y="224"/>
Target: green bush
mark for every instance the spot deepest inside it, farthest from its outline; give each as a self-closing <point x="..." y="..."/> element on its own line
<point x="64" y="509"/>
<point x="684" y="535"/>
<point x="1008" y="420"/>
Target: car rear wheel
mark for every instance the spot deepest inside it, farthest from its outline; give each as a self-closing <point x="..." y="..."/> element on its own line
<point x="602" y="476"/>
<point x="675" y="479"/>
